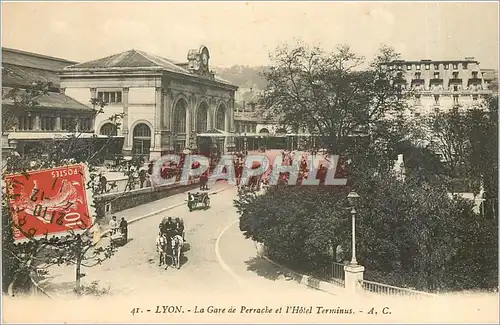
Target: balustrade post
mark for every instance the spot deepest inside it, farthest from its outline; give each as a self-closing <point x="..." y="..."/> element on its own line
<point x="353" y="276"/>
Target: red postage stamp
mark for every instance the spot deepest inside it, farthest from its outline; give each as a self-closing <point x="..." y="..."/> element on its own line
<point x="49" y="202"/>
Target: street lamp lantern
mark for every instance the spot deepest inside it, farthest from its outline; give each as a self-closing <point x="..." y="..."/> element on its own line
<point x="353" y="198"/>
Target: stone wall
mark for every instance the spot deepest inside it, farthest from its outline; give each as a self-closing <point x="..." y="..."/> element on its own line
<point x="110" y="203"/>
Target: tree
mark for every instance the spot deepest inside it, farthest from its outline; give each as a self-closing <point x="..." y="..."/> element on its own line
<point x="15" y="100"/>
<point x="449" y="136"/>
<point x="468" y="142"/>
<point x="297" y="224"/>
<point x="330" y="95"/>
<point x="25" y="260"/>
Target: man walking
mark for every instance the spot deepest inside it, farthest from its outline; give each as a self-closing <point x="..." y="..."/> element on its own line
<point x="124" y="228"/>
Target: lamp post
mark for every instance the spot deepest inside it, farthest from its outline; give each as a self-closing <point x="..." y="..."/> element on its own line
<point x="352" y="199"/>
<point x="245" y="143"/>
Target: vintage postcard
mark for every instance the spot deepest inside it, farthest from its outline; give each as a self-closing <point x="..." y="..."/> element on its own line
<point x="249" y="162"/>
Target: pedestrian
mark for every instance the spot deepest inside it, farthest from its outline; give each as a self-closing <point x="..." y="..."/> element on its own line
<point x="124" y="228"/>
<point x="103" y="182"/>
<point x="113" y="225"/>
<point x="142" y="177"/>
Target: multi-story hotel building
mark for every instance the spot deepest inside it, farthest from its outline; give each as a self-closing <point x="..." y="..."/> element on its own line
<point x="441" y="85"/>
<point x="166" y="104"/>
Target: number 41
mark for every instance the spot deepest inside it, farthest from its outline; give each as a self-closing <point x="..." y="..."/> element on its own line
<point x="135" y="311"/>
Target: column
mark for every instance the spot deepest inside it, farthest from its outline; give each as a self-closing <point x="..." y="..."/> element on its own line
<point x="188" y="125"/>
<point x="167" y="116"/>
<point x="156" y="140"/>
<point x="210" y="114"/>
<point x="38" y="125"/>
<point x="127" y="148"/>
<point x="58" y="123"/>
<point x="167" y="110"/>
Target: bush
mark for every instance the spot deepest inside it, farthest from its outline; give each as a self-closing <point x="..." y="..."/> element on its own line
<point x="92" y="289"/>
<point x="409" y="233"/>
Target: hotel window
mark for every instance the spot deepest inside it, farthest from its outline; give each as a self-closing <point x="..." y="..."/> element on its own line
<point x="474" y="74"/>
<point x="86" y="125"/>
<point x="427" y="66"/>
<point x="25" y="123"/>
<point x="254" y="128"/>
<point x="455" y="66"/>
<point x="436" y="100"/>
<point x="455" y="75"/>
<point x="455" y="99"/>
<point x="455" y="88"/>
<point x="417" y="75"/>
<point x="446" y="66"/>
<point x="436" y="66"/>
<point x="400" y="67"/>
<point x="464" y="66"/>
<point x="474" y="98"/>
<point x="48" y="123"/>
<point x="408" y="67"/>
<point x="110" y="96"/>
<point x="68" y="124"/>
<point x="436" y="75"/>
<point x="418" y="66"/>
<point x="237" y="127"/>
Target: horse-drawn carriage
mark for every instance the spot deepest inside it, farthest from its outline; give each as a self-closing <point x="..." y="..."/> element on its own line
<point x="198" y="199"/>
<point x="170" y="242"/>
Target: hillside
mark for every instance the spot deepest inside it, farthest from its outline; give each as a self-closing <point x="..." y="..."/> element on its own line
<point x="243" y="76"/>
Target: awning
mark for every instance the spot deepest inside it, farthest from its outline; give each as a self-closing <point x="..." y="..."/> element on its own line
<point x="216" y="133"/>
<point x="53" y="135"/>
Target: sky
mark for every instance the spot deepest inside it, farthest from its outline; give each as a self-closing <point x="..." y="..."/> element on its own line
<point x="245" y="33"/>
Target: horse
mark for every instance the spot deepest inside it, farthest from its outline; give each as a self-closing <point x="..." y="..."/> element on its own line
<point x="162" y="248"/>
<point x="177" y="243"/>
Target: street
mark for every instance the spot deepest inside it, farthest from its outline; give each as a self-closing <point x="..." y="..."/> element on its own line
<point x="218" y="259"/>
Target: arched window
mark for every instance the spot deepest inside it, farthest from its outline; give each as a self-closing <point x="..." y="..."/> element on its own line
<point x="142" y="141"/>
<point x="201" y="118"/>
<point x="220" y="118"/>
<point x="108" y="129"/>
<point x="281" y="131"/>
<point x="141" y="131"/>
<point x="264" y="130"/>
<point x="179" y="125"/>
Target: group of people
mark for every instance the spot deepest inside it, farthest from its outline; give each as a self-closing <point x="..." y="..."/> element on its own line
<point x="122" y="226"/>
<point x="171" y="227"/>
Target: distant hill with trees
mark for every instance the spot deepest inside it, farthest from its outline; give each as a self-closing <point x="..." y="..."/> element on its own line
<point x="243" y="76"/>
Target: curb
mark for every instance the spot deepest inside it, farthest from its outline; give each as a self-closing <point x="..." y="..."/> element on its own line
<point x="151" y="214"/>
<point x="310" y="281"/>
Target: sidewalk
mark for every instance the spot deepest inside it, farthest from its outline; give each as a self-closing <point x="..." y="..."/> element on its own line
<point x="155" y="207"/>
